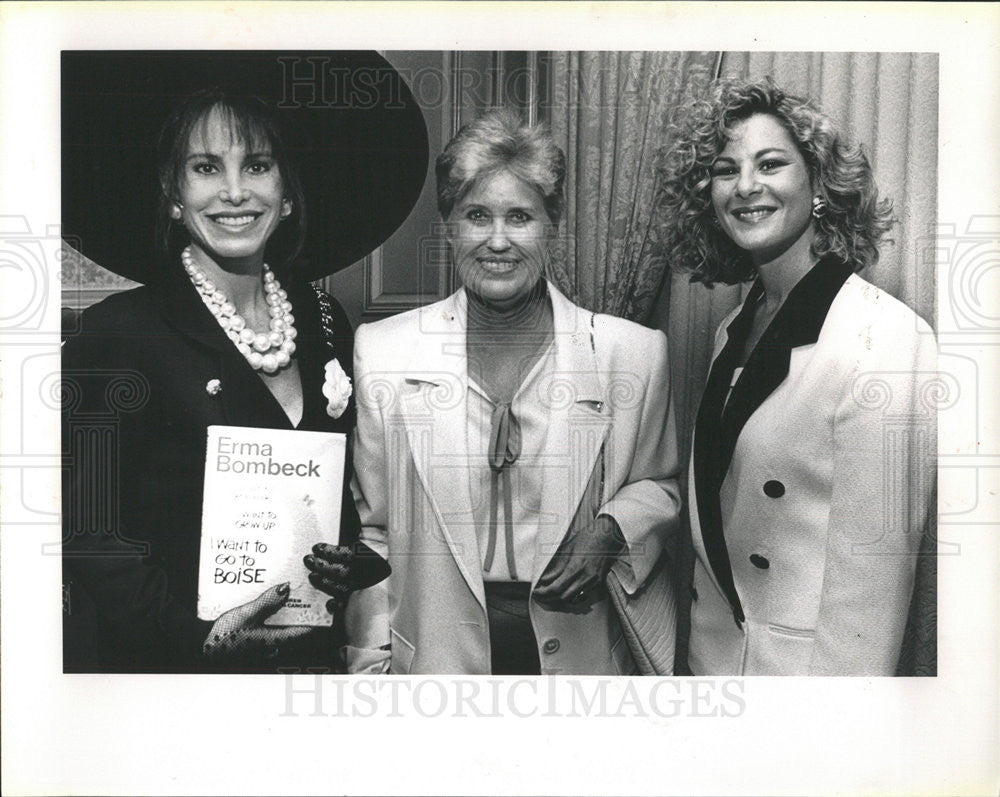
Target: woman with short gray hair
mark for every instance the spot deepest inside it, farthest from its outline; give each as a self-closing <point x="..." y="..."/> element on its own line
<point x="512" y="448"/>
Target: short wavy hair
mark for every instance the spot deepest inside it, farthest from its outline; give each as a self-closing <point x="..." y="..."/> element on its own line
<point x="498" y="141"/>
<point x="849" y="230"/>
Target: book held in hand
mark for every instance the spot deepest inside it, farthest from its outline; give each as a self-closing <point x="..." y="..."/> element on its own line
<point x="270" y="495"/>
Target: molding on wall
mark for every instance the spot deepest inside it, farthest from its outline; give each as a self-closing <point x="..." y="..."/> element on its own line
<point x="377" y="301"/>
<point x="82" y="298"/>
<point x="511" y="78"/>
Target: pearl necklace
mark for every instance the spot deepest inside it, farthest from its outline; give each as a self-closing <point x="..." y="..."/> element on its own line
<point x="267" y="351"/>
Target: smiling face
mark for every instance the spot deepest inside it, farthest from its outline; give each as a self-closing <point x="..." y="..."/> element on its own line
<point x="761" y="190"/>
<point x="231" y="195"/>
<point x="500" y="234"/>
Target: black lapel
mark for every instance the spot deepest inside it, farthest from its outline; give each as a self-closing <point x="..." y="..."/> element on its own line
<point x="310" y="354"/>
<point x="705" y="450"/>
<point x="717" y="430"/>
<point x="245" y="399"/>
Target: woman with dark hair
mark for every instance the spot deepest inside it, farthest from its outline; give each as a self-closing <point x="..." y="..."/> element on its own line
<point x="214" y="116"/>
<point x="514" y="452"/>
<point x="216" y="337"/>
<point x="804" y="522"/>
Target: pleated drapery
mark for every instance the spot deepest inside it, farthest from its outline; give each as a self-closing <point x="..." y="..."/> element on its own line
<point x="889" y="103"/>
<point x="606" y="111"/>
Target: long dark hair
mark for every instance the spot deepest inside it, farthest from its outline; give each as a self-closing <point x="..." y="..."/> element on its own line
<point x="250" y="120"/>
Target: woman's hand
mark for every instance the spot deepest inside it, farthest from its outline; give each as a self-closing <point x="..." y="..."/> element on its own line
<point x="330" y="567"/>
<point x="241" y="632"/>
<point x="339" y="570"/>
<point x="576" y="574"/>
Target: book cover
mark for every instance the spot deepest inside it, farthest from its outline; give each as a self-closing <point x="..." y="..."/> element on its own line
<point x="270" y="495"/>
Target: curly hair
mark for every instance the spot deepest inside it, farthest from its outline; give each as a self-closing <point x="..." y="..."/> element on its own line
<point x="496" y="141"/>
<point x="849" y="230"/>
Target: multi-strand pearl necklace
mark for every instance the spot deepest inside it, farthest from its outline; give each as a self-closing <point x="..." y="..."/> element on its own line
<point x="267" y="351"/>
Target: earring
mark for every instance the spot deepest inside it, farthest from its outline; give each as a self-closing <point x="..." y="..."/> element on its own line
<point x="286" y="208"/>
<point x="175" y="211"/>
<point x="819" y="207"/>
<point x="714" y="221"/>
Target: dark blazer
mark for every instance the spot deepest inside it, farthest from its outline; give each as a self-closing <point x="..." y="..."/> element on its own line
<point x="809" y="488"/>
<point x="136" y="409"/>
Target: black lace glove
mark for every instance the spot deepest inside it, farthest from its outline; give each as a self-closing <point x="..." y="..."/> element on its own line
<point x="339" y="570"/>
<point x="240" y="633"/>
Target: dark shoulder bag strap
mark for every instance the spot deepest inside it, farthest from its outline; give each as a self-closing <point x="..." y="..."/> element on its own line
<point x="326" y="316"/>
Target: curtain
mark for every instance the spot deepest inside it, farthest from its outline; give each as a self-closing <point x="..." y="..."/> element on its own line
<point x="888" y="102"/>
<point x="606" y="111"/>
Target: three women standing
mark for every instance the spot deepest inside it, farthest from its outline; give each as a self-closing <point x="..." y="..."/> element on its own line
<point x="514" y="452"/>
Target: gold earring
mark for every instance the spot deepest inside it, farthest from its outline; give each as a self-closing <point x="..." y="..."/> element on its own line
<point x="175" y="211"/>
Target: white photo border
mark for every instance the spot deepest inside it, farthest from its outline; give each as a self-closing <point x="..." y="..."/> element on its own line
<point x="111" y="734"/>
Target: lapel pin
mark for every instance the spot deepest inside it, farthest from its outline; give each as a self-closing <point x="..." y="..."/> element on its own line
<point x="213" y="387"/>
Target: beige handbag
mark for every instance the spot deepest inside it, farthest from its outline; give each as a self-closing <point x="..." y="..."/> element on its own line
<point x="649" y="616"/>
<point x="648" y="619"/>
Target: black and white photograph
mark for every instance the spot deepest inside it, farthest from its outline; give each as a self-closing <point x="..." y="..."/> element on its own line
<point x="500" y="405"/>
<point x="519" y="412"/>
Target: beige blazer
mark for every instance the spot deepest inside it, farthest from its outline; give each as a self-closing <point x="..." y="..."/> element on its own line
<point x="609" y="388"/>
<point x="826" y="457"/>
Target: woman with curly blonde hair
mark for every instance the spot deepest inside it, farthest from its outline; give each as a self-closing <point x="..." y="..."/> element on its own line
<point x="804" y="519"/>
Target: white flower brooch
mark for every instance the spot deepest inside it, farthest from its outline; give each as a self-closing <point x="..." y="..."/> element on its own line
<point x="337" y="389"/>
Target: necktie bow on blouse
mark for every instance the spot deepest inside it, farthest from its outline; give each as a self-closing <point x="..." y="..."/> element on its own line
<point x="505" y="448"/>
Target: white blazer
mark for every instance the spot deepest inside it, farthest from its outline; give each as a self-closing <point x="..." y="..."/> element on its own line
<point x="808" y="495"/>
<point x="609" y="387"/>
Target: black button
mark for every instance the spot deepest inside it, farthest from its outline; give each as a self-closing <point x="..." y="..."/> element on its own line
<point x="759" y="561"/>
<point x="551" y="645"/>
<point x="774" y="489"/>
